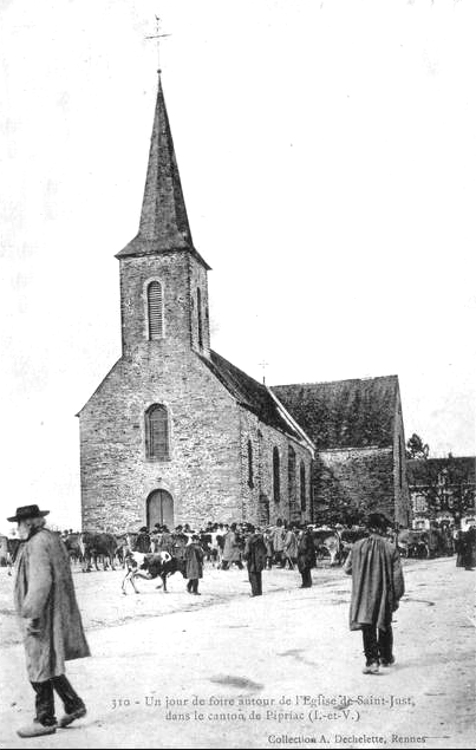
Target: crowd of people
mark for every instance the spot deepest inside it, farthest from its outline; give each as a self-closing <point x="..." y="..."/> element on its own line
<point x="53" y="633"/>
<point x="285" y="545"/>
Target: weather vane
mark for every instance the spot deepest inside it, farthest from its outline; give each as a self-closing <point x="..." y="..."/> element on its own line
<point x="158" y="36"/>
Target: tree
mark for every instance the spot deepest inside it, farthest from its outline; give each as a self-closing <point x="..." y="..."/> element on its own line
<point x="416" y="448"/>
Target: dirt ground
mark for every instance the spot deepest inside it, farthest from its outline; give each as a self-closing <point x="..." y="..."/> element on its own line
<point x="227" y="670"/>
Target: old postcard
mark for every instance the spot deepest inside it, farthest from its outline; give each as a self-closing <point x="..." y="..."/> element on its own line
<point x="238" y="476"/>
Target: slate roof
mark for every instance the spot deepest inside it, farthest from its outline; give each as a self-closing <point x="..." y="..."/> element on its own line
<point x="249" y="393"/>
<point x="345" y="413"/>
<point x="164" y="225"/>
<point x="459" y="469"/>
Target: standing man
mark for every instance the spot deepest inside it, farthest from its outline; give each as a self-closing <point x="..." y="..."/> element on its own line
<point x="142" y="543"/>
<point x="290" y="547"/>
<point x="278" y="536"/>
<point x="306" y="556"/>
<point x="231" y="549"/>
<point x="53" y="632"/>
<point x="377" y="587"/>
<point x="193" y="565"/>
<point x="255" y="556"/>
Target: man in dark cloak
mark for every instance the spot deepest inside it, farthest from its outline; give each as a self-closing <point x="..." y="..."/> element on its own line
<point x="377" y="587"/>
<point x="255" y="556"/>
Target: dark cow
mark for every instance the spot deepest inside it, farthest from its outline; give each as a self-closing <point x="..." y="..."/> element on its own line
<point x="75" y="546"/>
<point x="150" y="566"/>
<point x="99" y="545"/>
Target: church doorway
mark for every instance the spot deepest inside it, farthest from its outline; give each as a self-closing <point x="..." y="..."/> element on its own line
<point x="160" y="509"/>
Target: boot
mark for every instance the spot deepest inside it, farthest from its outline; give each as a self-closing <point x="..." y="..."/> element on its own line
<point x="36" y="729"/>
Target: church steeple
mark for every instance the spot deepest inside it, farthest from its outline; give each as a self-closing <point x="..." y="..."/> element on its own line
<point x="164" y="286"/>
<point x="164" y="223"/>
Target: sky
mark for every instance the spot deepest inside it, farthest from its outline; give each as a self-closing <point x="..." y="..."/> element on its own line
<point x="327" y="152"/>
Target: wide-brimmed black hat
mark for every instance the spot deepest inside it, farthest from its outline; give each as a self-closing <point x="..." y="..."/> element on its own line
<point x="377" y="521"/>
<point x="28" y="511"/>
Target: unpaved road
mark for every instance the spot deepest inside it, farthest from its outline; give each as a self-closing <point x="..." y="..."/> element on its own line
<point x="227" y="670"/>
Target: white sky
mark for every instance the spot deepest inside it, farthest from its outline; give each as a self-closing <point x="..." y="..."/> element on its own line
<point x="328" y="159"/>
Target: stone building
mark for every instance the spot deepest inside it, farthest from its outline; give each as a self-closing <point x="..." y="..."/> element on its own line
<point x="175" y="433"/>
<point x="442" y="490"/>
<point x="357" y="429"/>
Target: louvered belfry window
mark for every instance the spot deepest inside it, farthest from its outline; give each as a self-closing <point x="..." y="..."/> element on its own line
<point x="157" y="433"/>
<point x="155" y="310"/>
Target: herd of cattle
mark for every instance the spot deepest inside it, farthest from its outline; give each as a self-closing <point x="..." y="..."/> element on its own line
<point x="90" y="549"/>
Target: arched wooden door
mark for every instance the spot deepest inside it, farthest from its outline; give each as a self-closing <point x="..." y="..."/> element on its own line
<point x="160" y="509"/>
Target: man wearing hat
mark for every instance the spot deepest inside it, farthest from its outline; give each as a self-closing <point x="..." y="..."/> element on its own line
<point x="377" y="587"/>
<point x="142" y="543"/>
<point x="51" y="623"/>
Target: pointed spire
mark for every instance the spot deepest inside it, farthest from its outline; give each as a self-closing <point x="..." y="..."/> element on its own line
<point x="164" y="223"/>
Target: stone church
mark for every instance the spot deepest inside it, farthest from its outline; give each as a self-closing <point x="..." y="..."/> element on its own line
<point x="175" y="433"/>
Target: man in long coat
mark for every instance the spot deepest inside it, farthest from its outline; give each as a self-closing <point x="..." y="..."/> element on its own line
<point x="231" y="549"/>
<point x="377" y="587"/>
<point x="255" y="556"/>
<point x="306" y="556"/>
<point x="193" y="565"/>
<point x="51" y="623"/>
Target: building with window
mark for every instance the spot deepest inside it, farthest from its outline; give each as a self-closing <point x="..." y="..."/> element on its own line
<point x="176" y="433"/>
<point x="442" y="490"/>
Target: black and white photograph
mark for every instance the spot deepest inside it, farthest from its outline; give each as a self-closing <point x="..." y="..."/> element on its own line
<point x="237" y="293"/>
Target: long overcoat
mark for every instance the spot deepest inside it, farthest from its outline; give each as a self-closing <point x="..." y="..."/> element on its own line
<point x="231" y="549"/>
<point x="255" y="553"/>
<point x="44" y="592"/>
<point x="193" y="561"/>
<point x="377" y="582"/>
<point x="306" y="556"/>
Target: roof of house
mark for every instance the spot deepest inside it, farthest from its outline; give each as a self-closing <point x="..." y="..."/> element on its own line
<point x="427" y="471"/>
<point x="345" y="413"/>
<point x="250" y="393"/>
<point x="164" y="225"/>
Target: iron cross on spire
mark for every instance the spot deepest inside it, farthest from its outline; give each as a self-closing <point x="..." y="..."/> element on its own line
<point x="263" y="366"/>
<point x="158" y="36"/>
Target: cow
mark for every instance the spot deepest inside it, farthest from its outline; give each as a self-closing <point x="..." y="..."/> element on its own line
<point x="125" y="545"/>
<point x="210" y="543"/>
<point x="327" y="544"/>
<point x="75" y="545"/>
<point x="150" y="566"/>
<point x="97" y="545"/>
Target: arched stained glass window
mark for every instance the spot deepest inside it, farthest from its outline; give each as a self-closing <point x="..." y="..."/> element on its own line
<point x="157" y="433"/>
<point x="276" y="477"/>
<point x="155" y="310"/>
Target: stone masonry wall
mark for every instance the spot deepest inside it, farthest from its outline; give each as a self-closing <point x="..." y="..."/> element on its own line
<point x="356" y="477"/>
<point x="180" y="275"/>
<point x="263" y="440"/>
<point x="203" y="473"/>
